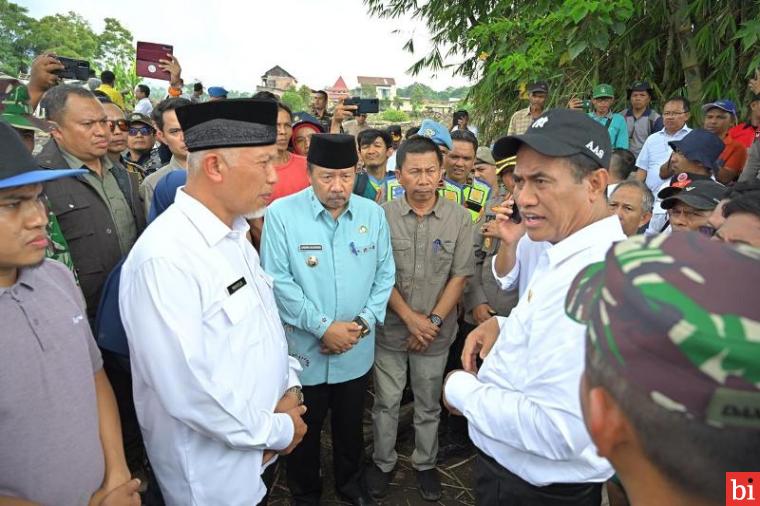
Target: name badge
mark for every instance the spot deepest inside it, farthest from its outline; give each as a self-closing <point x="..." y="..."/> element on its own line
<point x="237" y="285"/>
<point x="310" y="247"/>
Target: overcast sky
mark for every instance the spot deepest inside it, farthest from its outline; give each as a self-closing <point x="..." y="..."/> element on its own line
<point x="232" y="43"/>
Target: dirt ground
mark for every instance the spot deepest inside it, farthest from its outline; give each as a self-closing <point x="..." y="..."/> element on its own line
<point x="456" y="474"/>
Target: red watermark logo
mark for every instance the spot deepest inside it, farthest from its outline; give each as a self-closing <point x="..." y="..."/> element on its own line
<point x="743" y="489"/>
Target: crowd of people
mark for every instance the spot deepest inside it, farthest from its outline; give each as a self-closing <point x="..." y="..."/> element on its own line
<point x="192" y="287"/>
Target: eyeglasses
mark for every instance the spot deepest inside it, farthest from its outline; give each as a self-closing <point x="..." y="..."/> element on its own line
<point x="707" y="230"/>
<point x="144" y="130"/>
<point x="671" y="114"/>
<point x="688" y="214"/>
<point x="121" y="124"/>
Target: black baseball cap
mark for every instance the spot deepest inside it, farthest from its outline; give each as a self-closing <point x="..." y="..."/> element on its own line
<point x="538" y="86"/>
<point x="561" y="133"/>
<point x="703" y="194"/>
<point x="18" y="167"/>
<point x="640" y="86"/>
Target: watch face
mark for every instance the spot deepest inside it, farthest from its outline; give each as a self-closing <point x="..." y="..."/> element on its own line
<point x="436" y="320"/>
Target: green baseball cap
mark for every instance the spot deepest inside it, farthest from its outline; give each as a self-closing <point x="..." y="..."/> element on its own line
<point x="603" y="90"/>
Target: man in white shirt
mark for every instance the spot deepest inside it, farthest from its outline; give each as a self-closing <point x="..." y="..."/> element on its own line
<point x="216" y="394"/>
<point x="655" y="152"/>
<point x="143" y="105"/>
<point x="522" y="405"/>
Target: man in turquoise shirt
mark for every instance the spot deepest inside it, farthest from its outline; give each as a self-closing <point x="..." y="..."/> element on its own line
<point x="601" y="100"/>
<point x="330" y="256"/>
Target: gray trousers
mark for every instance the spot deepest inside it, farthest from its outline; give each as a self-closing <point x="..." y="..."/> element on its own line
<point x="426" y="372"/>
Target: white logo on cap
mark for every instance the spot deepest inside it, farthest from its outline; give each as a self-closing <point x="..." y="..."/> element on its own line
<point x="540" y="122"/>
<point x="595" y="149"/>
<point x="689" y="188"/>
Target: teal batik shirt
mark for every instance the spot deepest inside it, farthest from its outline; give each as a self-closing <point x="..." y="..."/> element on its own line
<point x="328" y="270"/>
<point x="618" y="128"/>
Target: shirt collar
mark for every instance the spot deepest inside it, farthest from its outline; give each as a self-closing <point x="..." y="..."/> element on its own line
<point x="684" y="129"/>
<point x="647" y="112"/>
<point x="436" y="211"/>
<point x="76" y="163"/>
<point x="27" y="277"/>
<point x="317" y="208"/>
<point x="585" y="238"/>
<point x="207" y="223"/>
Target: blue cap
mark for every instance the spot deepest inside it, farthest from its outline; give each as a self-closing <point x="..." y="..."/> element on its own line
<point x="700" y="146"/>
<point x="18" y="168"/>
<point x="217" y="92"/>
<point x="722" y="104"/>
<point x="436" y="133"/>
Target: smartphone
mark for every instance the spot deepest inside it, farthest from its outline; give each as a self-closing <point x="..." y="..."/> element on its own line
<point x="516" y="218"/>
<point x="147" y="56"/>
<point x="365" y="105"/>
<point x="73" y="69"/>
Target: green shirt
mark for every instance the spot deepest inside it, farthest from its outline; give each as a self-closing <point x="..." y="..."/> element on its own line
<point x="108" y="189"/>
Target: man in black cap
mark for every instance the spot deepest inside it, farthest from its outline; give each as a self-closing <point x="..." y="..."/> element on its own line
<point x="521" y="120"/>
<point x="330" y="255"/>
<point x="60" y="440"/>
<point x="216" y="394"/>
<point x="522" y="404"/>
<point x="690" y="207"/>
<point x="641" y="119"/>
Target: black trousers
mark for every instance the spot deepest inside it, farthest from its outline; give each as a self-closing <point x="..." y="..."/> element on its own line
<point x="456" y="426"/>
<point x="495" y="485"/>
<point x="345" y="401"/>
<point x="117" y="369"/>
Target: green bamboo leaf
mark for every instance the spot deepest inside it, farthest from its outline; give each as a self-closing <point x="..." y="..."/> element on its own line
<point x="576" y="49"/>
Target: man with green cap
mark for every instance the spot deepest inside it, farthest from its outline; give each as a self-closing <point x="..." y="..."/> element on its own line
<point x="602" y="98"/>
<point x="671" y="388"/>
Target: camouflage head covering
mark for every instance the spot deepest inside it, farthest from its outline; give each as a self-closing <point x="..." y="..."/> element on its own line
<point x="677" y="315"/>
<point x="15" y="109"/>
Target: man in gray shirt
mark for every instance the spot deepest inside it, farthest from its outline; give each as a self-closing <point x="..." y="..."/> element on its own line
<point x="60" y="439"/>
<point x="433" y="250"/>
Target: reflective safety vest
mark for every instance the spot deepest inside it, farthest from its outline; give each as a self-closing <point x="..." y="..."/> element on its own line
<point x="451" y="191"/>
<point x="393" y="189"/>
<point x="475" y="198"/>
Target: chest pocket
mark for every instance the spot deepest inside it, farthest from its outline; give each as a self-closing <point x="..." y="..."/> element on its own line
<point x="72" y="213"/>
<point x="239" y="305"/>
<point x="443" y="257"/>
<point x="403" y="257"/>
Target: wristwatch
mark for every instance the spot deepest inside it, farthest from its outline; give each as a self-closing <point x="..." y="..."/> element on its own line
<point x="435" y="319"/>
<point x="363" y="324"/>
<point x="298" y="393"/>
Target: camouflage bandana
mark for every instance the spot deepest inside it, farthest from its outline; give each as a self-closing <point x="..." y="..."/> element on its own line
<point x="678" y="317"/>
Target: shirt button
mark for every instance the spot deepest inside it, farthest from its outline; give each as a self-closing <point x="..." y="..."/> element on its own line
<point x="108" y="231"/>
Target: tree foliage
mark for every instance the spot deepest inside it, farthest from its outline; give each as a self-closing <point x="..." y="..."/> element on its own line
<point x="23" y="37"/>
<point x="701" y="48"/>
<point x="292" y="99"/>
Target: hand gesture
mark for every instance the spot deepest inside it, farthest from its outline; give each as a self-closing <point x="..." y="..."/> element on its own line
<point x="508" y="231"/>
<point x="414" y="345"/>
<point x="575" y="103"/>
<point x="421" y="328"/>
<point x="482" y="312"/>
<point x="479" y="343"/>
<point x="299" y="428"/>
<point x="125" y="494"/>
<point x="172" y="66"/>
<point x="43" y="76"/>
<point x="340" y="337"/>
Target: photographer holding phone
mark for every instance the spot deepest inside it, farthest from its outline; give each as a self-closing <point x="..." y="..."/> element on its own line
<point x="522" y="405"/>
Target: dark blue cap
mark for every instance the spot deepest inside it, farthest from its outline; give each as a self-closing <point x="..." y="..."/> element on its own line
<point x="700" y="146"/>
<point x="722" y="104"/>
